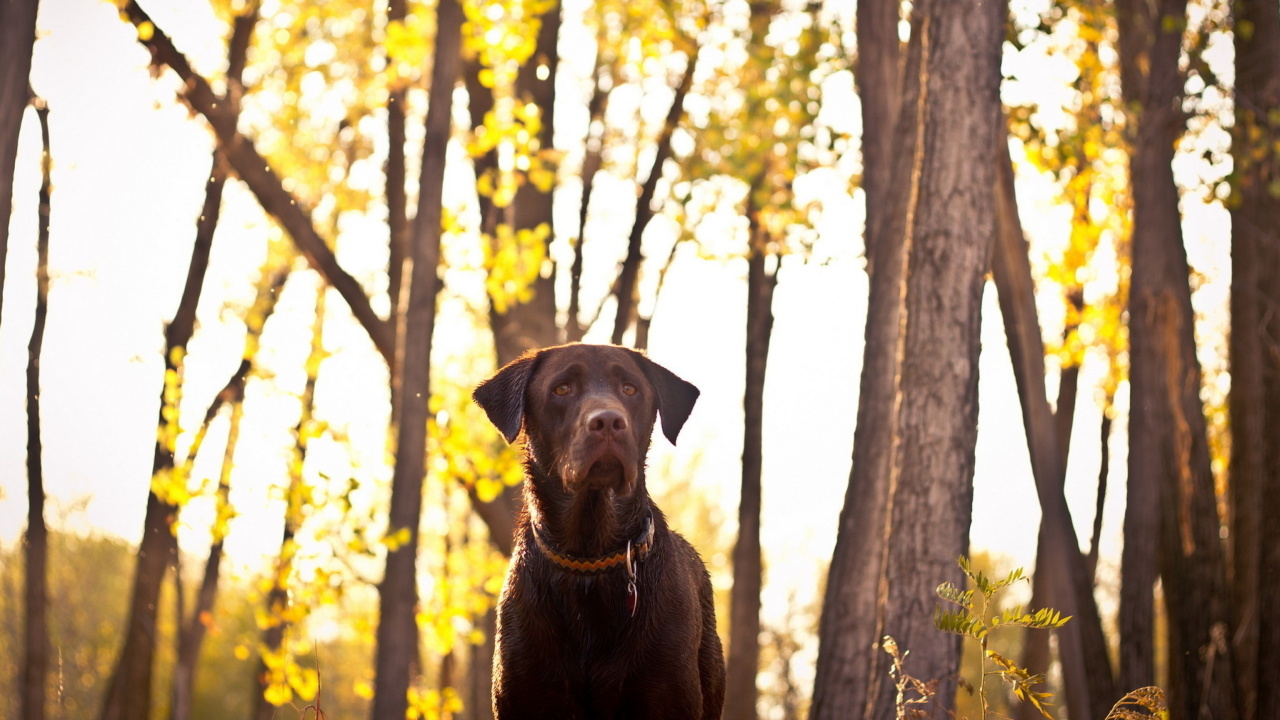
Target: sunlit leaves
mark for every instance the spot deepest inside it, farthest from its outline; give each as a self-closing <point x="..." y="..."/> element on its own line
<point x="973" y="619"/>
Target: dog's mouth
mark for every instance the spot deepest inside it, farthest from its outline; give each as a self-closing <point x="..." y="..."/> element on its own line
<point x="607" y="465"/>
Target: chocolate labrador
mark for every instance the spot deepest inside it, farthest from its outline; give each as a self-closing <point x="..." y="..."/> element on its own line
<point x="606" y="612"/>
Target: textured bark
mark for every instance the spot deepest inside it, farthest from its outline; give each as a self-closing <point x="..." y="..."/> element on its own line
<point x="748" y="573"/>
<point x="850" y="666"/>
<point x="1060" y="568"/>
<point x="397" y="635"/>
<point x="1255" y="358"/>
<point x="17" y="36"/>
<point x="36" y="539"/>
<point x="950" y="226"/>
<point x="625" y="289"/>
<point x="1172" y="513"/>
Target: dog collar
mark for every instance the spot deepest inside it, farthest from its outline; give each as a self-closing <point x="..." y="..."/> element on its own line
<point x="635" y="551"/>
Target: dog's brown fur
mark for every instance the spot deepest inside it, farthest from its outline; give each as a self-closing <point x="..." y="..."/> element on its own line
<point x="567" y="645"/>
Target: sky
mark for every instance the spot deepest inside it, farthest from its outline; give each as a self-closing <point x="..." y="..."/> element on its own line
<point x="129" y="172"/>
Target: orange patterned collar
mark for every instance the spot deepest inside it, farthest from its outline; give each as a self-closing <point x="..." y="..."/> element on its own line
<point x="635" y="551"/>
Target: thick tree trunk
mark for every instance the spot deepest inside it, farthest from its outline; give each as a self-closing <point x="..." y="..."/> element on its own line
<point x="36" y="664"/>
<point x="950" y="225"/>
<point x="744" y="599"/>
<point x="397" y="636"/>
<point x="1082" y="646"/>
<point x="850" y="667"/>
<point x="1255" y="359"/>
<point x="17" y="36"/>
<point x="1171" y="486"/>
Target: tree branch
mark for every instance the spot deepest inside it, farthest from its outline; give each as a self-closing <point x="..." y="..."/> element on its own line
<point x="265" y="184"/>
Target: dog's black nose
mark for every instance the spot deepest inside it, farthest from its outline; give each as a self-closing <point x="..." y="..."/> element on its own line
<point x="606" y="422"/>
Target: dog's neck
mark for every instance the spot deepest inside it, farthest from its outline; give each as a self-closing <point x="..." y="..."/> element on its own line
<point x="587" y="523"/>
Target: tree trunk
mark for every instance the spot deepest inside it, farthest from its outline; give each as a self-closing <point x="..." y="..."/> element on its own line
<point x="849" y="667"/>
<point x="191" y="632"/>
<point x="949" y="228"/>
<point x="625" y="289"/>
<point x="17" y="36"/>
<point x="744" y="599"/>
<point x="1171" y="486"/>
<point x="397" y="635"/>
<point x="1062" y="575"/>
<point x="526" y="326"/>
<point x="1255" y="358"/>
<point x="36" y="665"/>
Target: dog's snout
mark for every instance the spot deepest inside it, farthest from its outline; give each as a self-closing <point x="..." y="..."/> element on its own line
<point x="606" y="422"/>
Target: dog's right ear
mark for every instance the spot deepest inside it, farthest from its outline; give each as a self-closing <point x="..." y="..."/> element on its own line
<point x="502" y="396"/>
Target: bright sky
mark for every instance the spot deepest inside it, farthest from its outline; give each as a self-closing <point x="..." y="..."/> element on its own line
<point x="129" y="172"/>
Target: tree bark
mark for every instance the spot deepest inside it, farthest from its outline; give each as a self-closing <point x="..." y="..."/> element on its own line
<point x="949" y="228"/>
<point x="1171" y="486"/>
<point x="1059" y="564"/>
<point x="17" y="36"/>
<point x="397" y="635"/>
<point x="36" y="665"/>
<point x="850" y="667"/>
<point x="1255" y="357"/>
<point x="744" y="599"/>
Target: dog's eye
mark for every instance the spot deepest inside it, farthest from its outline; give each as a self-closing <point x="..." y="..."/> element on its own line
<point x="628" y="389"/>
<point x="562" y="389"/>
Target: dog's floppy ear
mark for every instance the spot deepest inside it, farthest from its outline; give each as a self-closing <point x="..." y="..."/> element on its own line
<point x="502" y="396"/>
<point x="676" y="397"/>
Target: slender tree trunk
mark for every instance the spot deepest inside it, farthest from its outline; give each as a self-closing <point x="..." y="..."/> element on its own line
<point x="278" y="599"/>
<point x="397" y="635"/>
<point x="1255" y="358"/>
<point x="17" y="36"/>
<point x="191" y="632"/>
<point x="950" y="225"/>
<point x="574" y="329"/>
<point x="1082" y="645"/>
<point x="744" y="599"/>
<point x="397" y="209"/>
<point x="525" y="326"/>
<point x="850" y="667"/>
<point x="625" y="290"/>
<point x="36" y="665"/>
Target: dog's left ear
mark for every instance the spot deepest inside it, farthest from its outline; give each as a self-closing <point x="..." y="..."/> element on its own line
<point x="676" y="397"/>
<point x="502" y="396"/>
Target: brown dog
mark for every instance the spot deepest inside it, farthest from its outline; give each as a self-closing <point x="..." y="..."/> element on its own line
<point x="606" y="613"/>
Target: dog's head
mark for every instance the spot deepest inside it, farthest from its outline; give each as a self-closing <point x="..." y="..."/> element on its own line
<point x="587" y="411"/>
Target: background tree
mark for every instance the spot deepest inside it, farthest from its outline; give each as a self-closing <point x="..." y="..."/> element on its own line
<point x="1171" y="520"/>
<point x="1255" y="371"/>
<point x="36" y="537"/>
<point x="949" y="223"/>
